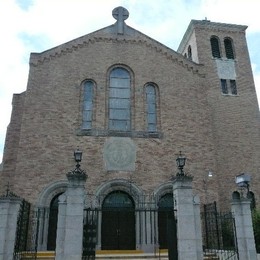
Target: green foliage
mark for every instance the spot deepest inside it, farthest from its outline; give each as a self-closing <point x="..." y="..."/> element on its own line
<point x="256" y="226"/>
<point x="227" y="234"/>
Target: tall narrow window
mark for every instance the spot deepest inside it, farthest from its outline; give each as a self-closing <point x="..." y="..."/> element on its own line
<point x="151" y="108"/>
<point x="88" y="104"/>
<point x="189" y="53"/>
<point x="228" y="86"/>
<point x="224" y="86"/>
<point x="233" y="87"/>
<point x="119" y="100"/>
<point x="229" y="48"/>
<point x="214" y="41"/>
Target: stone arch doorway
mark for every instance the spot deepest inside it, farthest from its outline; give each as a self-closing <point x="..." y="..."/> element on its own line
<point x="53" y="220"/>
<point x="165" y="220"/>
<point x="118" y="222"/>
<point x="46" y="198"/>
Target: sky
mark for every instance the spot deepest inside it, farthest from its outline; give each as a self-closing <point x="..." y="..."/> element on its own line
<point x="37" y="25"/>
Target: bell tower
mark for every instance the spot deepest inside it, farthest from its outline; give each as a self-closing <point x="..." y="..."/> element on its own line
<point x="222" y="50"/>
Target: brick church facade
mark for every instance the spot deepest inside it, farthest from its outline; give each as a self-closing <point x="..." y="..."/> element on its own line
<point x="130" y="104"/>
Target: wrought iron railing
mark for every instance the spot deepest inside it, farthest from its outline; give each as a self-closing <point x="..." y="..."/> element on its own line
<point x="27" y="232"/>
<point x="219" y="233"/>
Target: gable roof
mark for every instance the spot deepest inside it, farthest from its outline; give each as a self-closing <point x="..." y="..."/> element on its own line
<point x="111" y="34"/>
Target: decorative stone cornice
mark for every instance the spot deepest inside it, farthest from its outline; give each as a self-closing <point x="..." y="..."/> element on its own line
<point x="183" y="178"/>
<point x="9" y="195"/>
<point x="77" y="174"/>
<point x="39" y="59"/>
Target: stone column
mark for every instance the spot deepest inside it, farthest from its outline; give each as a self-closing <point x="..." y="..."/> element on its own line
<point x="61" y="225"/>
<point x="9" y="210"/>
<point x="198" y="228"/>
<point x="147" y="219"/>
<point x="188" y="219"/>
<point x="43" y="218"/>
<point x="70" y="218"/>
<point x="244" y="228"/>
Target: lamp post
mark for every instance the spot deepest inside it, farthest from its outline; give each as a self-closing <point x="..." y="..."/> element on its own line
<point x="77" y="171"/>
<point x="180" y="161"/>
<point x="77" y="157"/>
<point x="71" y="214"/>
<point x="242" y="181"/>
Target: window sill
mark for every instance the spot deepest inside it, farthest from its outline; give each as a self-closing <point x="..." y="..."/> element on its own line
<point x="224" y="59"/>
<point x="230" y="95"/>
<point x="134" y="134"/>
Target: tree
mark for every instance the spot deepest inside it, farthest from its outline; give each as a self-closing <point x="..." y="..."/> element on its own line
<point x="256" y="227"/>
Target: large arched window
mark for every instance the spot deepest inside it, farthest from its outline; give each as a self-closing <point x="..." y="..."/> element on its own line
<point x="119" y="100"/>
<point x="215" y="49"/>
<point x="229" y="48"/>
<point x="88" y="96"/>
<point x="151" y="113"/>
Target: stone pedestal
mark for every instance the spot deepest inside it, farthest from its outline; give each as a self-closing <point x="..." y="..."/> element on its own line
<point x="244" y="229"/>
<point x="70" y="218"/>
<point x="188" y="219"/>
<point x="9" y="210"/>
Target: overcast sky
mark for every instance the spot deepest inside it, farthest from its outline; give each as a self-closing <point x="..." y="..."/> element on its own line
<point x="37" y="25"/>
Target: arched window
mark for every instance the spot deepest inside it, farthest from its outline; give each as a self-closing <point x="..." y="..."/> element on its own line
<point x="88" y="96"/>
<point x="229" y="48"/>
<point x="118" y="199"/>
<point x="189" y="53"/>
<point x="119" y="100"/>
<point x="214" y="41"/>
<point x="166" y="201"/>
<point x="151" y="114"/>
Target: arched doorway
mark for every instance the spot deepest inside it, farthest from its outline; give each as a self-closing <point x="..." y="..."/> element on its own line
<point x="166" y="220"/>
<point x="53" y="220"/>
<point x="118" y="222"/>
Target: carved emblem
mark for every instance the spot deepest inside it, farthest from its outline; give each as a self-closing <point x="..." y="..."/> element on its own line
<point x="119" y="154"/>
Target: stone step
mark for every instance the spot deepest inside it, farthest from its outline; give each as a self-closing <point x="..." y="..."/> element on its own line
<point x="104" y="254"/>
<point x="42" y="255"/>
<point x="114" y="254"/>
<point x="210" y="256"/>
<point x="129" y="254"/>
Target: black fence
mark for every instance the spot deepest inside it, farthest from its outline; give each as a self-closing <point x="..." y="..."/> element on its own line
<point x="219" y="233"/>
<point x="90" y="234"/>
<point x="125" y="228"/>
<point x="26" y="232"/>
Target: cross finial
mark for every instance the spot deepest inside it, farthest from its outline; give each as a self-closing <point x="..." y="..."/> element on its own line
<point x="120" y="14"/>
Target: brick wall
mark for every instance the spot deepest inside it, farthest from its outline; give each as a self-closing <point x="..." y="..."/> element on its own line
<point x="192" y="116"/>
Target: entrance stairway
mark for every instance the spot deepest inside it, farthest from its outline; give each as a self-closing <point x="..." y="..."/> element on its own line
<point x="115" y="254"/>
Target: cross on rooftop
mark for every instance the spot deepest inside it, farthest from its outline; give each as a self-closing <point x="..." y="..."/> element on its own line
<point x="120" y="14"/>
